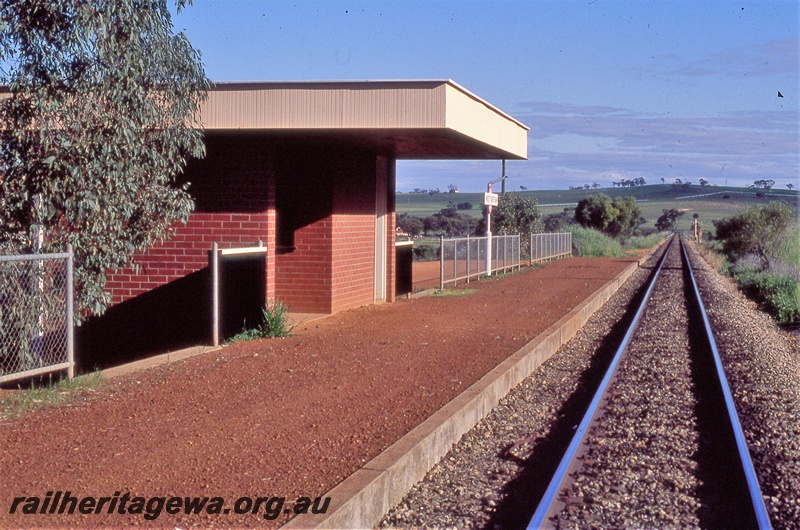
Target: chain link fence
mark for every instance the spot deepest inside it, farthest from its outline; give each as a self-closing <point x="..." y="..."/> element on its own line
<point x="464" y="258"/>
<point x="36" y="315"/>
<point x="550" y="246"/>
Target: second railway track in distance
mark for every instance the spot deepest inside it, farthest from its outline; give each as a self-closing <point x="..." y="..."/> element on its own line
<point x="657" y="447"/>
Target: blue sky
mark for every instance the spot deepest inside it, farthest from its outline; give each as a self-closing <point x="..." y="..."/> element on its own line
<point x="610" y="89"/>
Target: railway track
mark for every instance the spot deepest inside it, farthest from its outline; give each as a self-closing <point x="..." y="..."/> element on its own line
<point x="495" y="476"/>
<point x="660" y="444"/>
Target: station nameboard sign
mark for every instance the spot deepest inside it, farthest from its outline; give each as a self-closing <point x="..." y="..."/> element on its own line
<point x="491" y="199"/>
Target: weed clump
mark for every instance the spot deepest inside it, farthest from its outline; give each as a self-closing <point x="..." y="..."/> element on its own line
<point x="590" y="243"/>
<point x="780" y="295"/>
<point x="453" y="292"/>
<point x="49" y="394"/>
<point x="274" y="324"/>
<point x="642" y="242"/>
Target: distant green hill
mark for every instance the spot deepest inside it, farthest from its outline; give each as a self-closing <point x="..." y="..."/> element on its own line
<point x="709" y="202"/>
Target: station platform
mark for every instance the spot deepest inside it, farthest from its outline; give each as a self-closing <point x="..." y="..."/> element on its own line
<point x="353" y="406"/>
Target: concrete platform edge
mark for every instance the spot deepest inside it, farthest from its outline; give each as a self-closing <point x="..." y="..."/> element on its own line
<point x="362" y="499"/>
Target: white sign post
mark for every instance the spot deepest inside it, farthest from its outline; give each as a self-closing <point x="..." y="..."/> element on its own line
<point x="491" y="199"/>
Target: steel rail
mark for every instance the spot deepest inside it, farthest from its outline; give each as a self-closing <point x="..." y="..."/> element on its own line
<point x="548" y="500"/>
<point x="547" y="504"/>
<point x="757" y="499"/>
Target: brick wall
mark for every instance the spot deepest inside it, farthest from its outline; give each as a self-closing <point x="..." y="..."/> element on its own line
<point x="234" y="192"/>
<point x="303" y="273"/>
<point x="353" y="251"/>
<point x="353" y="282"/>
<point x="313" y="208"/>
<point x="187" y="251"/>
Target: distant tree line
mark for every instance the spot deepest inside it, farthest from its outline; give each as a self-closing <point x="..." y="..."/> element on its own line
<point x="679" y="185"/>
<point x="594" y="185"/>
<point x="432" y="191"/>
<point x="446" y="222"/>
<point x="682" y="185"/>
<point x="766" y="184"/>
<point x="518" y="213"/>
<point x="629" y="183"/>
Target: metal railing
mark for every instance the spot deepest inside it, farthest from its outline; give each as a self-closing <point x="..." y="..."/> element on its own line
<point x="214" y="264"/>
<point x="464" y="258"/>
<point x="550" y="246"/>
<point x="36" y="315"/>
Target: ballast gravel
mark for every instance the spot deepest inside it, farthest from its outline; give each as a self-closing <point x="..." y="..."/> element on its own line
<point x="481" y="484"/>
<point x="661" y="454"/>
<point x="484" y="482"/>
<point x="762" y="362"/>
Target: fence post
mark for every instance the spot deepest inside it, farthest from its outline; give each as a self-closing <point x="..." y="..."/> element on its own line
<point x="455" y="261"/>
<point x="488" y="253"/>
<point x="467" y="258"/>
<point x="441" y="263"/>
<point x="214" y="294"/>
<point x="70" y="299"/>
<point x="478" y="258"/>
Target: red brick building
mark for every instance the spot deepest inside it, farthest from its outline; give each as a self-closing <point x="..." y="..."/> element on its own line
<point x="308" y="169"/>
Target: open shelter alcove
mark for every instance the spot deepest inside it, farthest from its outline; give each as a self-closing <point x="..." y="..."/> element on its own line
<point x="308" y="168"/>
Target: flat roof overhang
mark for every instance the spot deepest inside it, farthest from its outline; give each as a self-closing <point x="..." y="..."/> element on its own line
<point x="436" y="119"/>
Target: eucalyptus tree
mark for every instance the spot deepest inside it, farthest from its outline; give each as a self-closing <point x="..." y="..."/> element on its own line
<point x="668" y="220"/>
<point x="98" y="115"/>
<point x="619" y="217"/>
<point x="761" y="230"/>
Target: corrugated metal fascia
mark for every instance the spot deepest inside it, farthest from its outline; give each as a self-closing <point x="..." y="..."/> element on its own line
<point x="328" y="84"/>
<point x="279" y="106"/>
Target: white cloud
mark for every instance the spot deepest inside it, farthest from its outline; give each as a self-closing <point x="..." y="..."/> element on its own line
<point x="572" y="145"/>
